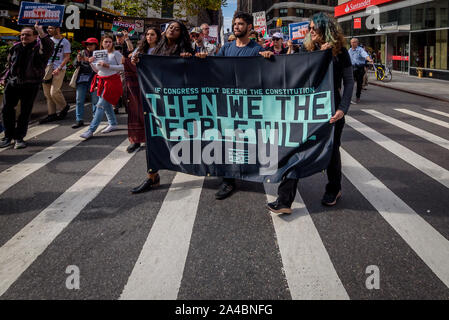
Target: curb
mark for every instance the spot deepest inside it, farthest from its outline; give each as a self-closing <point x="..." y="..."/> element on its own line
<point x="409" y="91"/>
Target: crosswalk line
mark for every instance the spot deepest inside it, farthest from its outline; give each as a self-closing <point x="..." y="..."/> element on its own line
<point x="308" y="269"/>
<point x="30" y="242"/>
<point x="424" y="117"/>
<point x="427" y="242"/>
<point x="16" y="173"/>
<point x="158" y="271"/>
<point x="426" y="166"/>
<point x="35" y="131"/>
<point x="412" y="129"/>
<point x="441" y="113"/>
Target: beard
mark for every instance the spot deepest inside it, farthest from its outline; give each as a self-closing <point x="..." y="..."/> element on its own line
<point x="241" y="34"/>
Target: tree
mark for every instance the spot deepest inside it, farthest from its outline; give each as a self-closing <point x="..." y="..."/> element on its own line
<point x="182" y="8"/>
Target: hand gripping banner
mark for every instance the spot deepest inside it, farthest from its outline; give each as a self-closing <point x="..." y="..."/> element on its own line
<point x="248" y="118"/>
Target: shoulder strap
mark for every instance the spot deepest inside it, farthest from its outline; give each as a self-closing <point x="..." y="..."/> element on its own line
<point x="56" y="50"/>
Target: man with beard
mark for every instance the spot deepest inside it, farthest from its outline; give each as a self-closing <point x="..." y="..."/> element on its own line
<point x="243" y="46"/>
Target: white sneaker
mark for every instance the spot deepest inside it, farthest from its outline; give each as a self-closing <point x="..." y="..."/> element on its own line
<point x="87" y="135"/>
<point x="109" y="129"/>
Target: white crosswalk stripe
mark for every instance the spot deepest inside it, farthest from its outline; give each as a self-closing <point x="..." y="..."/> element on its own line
<point x="309" y="271"/>
<point x="423" y="117"/>
<point x="441" y="113"/>
<point x="16" y="173"/>
<point x="430" y="245"/>
<point x="158" y="272"/>
<point x="412" y="129"/>
<point x="433" y="170"/>
<point x="34" y="132"/>
<point x="20" y="252"/>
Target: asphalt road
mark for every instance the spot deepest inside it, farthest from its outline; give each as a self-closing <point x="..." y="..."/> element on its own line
<point x="71" y="206"/>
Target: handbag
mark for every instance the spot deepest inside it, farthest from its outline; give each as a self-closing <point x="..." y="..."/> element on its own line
<point x="48" y="76"/>
<point x="74" y="77"/>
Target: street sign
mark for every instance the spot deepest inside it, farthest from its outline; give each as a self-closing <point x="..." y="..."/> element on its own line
<point x="357" y="23"/>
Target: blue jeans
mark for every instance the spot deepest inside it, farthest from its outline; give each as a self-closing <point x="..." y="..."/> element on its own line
<point x="81" y="91"/>
<point x="103" y="107"/>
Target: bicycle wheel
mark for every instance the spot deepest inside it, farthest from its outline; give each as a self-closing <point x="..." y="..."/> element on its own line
<point x="388" y="76"/>
<point x="380" y="75"/>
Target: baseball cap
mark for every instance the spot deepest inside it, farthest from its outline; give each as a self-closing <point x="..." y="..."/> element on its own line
<point x="119" y="34"/>
<point x="90" y="40"/>
<point x="278" y="35"/>
<point x="196" y="30"/>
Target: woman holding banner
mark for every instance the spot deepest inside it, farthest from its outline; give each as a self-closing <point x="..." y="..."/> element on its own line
<point x="136" y="125"/>
<point x="325" y="33"/>
<point x="108" y="85"/>
<point x="174" y="42"/>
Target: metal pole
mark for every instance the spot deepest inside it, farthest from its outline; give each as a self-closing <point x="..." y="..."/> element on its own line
<point x="85" y="16"/>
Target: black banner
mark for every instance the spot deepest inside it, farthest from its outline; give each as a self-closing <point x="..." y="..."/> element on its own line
<point x="245" y="117"/>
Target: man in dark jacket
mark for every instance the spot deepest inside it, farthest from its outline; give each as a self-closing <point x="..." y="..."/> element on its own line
<point x="25" y="69"/>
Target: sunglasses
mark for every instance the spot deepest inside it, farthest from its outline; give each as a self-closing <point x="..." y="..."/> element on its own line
<point x="314" y="28"/>
<point x="276" y="39"/>
<point x="195" y="35"/>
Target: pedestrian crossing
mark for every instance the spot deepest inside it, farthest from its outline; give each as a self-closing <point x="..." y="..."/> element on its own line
<point x="159" y="267"/>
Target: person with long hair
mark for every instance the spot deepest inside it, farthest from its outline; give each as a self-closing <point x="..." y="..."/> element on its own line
<point x="136" y="125"/>
<point x="325" y="33"/>
<point x="108" y="85"/>
<point x="84" y="79"/>
<point x="174" y="42"/>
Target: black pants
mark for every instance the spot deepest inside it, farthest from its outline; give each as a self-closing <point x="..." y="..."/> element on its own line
<point x="359" y="72"/>
<point x="287" y="189"/>
<point x="13" y="94"/>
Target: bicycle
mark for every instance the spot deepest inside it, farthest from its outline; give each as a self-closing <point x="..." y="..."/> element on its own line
<point x="382" y="72"/>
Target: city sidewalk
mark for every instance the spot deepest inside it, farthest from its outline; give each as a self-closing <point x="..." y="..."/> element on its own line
<point x="427" y="87"/>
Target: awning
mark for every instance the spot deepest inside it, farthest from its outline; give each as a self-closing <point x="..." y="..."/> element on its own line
<point x="8" y="32"/>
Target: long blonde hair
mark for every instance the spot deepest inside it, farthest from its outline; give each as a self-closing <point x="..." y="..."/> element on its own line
<point x="328" y="30"/>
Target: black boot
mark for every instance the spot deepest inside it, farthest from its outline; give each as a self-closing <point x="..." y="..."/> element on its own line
<point x="133" y="147"/>
<point x="151" y="182"/>
<point x="279" y="207"/>
<point x="63" y="113"/>
<point x="49" y="118"/>
<point x="78" y="124"/>
<point x="225" y="190"/>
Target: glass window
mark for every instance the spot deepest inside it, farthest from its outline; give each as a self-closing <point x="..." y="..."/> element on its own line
<point x="283" y="12"/>
<point x="97" y="3"/>
<point x="300" y="12"/>
<point x="430" y="49"/>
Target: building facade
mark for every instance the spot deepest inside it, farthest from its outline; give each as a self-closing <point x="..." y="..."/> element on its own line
<point x="289" y="11"/>
<point x="406" y="34"/>
<point x="97" y="16"/>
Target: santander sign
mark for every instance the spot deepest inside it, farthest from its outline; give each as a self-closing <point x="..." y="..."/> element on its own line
<point x="357" y="5"/>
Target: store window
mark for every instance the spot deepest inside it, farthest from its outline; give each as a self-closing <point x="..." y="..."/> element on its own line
<point x="283" y="12"/>
<point x="430" y="49"/>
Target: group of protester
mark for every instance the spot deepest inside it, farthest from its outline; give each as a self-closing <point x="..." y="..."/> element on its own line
<point x="114" y="78"/>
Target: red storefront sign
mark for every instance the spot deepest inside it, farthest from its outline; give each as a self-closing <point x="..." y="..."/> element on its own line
<point x="400" y="58"/>
<point x="357" y="23"/>
<point x="357" y="5"/>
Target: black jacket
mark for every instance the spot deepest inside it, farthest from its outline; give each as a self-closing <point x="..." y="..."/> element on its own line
<point x="27" y="64"/>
